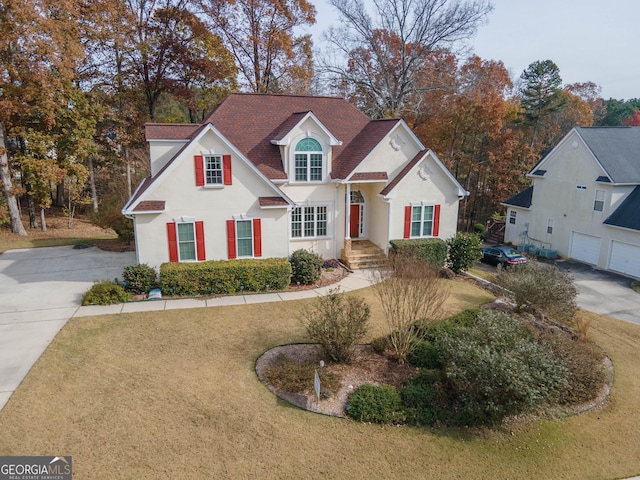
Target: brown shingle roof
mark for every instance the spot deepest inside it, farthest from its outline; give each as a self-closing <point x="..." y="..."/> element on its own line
<point x="272" y="202"/>
<point x="170" y="131"/>
<point x="150" y="206"/>
<point x="358" y="147"/>
<point x="251" y="121"/>
<point x="362" y="176"/>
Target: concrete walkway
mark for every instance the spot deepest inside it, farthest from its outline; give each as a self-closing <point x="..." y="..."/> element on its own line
<point x="354" y="281"/>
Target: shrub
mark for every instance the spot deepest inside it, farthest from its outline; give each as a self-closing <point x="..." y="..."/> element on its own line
<point x="421" y="402"/>
<point x="496" y="368"/>
<point x="306" y="267"/>
<point x="337" y="322"/>
<point x="380" y="344"/>
<point x="110" y="216"/>
<point x="105" y="292"/>
<point x="376" y="404"/>
<point x="139" y="278"/>
<point x="450" y="325"/>
<point x="542" y="286"/>
<point x="480" y="229"/>
<point x="583" y="359"/>
<point x="431" y="250"/>
<point x="289" y="375"/>
<point x="221" y="277"/>
<point x="464" y="251"/>
<point x="425" y="355"/>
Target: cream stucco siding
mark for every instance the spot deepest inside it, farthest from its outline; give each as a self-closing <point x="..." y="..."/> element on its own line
<point x="212" y="205"/>
<point x="161" y="151"/>
<point x="563" y="201"/>
<point x="428" y="184"/>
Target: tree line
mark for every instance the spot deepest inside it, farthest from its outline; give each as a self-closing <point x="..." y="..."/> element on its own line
<point x="80" y="78"/>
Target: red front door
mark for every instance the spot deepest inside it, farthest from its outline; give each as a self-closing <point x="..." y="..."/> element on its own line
<point x="354" y="221"/>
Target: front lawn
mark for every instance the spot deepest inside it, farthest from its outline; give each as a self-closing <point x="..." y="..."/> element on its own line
<point x="174" y="394"/>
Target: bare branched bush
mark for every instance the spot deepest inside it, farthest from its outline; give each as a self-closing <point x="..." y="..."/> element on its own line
<point x="337" y="322"/>
<point x="582" y="326"/>
<point x="411" y="294"/>
<point x="541" y="286"/>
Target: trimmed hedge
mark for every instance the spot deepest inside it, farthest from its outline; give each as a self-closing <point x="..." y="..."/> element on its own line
<point x="432" y="250"/>
<point x="224" y="277"/>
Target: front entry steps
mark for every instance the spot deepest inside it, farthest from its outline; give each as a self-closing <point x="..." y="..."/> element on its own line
<point x="363" y="254"/>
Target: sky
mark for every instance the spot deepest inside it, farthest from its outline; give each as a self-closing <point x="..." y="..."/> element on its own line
<point x="589" y="40"/>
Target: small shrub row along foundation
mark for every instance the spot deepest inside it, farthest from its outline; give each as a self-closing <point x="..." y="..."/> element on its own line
<point x="224" y="277"/>
<point x="216" y="277"/>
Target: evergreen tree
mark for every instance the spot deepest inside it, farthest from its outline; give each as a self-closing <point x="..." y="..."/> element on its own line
<point x="540" y="93"/>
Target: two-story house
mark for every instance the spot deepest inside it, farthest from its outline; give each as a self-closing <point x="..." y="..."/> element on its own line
<point x="265" y="175"/>
<point x="584" y="201"/>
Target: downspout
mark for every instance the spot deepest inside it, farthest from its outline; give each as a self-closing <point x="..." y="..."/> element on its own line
<point x="135" y="233"/>
<point x="335" y="221"/>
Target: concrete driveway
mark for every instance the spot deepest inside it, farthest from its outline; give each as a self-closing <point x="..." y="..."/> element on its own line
<point x="603" y="292"/>
<point x="40" y="289"/>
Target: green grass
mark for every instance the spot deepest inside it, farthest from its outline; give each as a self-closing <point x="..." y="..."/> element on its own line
<point x="174" y="395"/>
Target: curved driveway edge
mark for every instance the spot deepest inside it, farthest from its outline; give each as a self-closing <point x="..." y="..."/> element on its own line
<point x="40" y="289"/>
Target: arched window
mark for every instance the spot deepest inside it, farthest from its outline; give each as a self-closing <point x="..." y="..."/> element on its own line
<point x="308" y="161"/>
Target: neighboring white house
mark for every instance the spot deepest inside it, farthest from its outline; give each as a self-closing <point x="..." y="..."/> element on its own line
<point x="584" y="201"/>
<point x="265" y="175"/>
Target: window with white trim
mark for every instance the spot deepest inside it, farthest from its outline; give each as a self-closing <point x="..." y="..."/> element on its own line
<point x="308" y="161"/>
<point x="598" y="202"/>
<point x="550" y="226"/>
<point x="309" y="222"/>
<point x="244" y="238"/>
<point x="186" y="238"/>
<point x="512" y="217"/>
<point x="213" y="169"/>
<point x="421" y="221"/>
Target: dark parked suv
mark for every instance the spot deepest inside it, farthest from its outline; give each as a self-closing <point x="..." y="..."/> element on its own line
<point x="503" y="256"/>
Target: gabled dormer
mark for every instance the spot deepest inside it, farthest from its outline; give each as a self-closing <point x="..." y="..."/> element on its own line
<point x="305" y="148"/>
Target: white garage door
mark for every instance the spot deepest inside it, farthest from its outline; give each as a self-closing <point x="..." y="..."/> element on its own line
<point x="585" y="248"/>
<point x="625" y="258"/>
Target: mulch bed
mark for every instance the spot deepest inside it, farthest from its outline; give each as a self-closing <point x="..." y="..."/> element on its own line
<point x="365" y="366"/>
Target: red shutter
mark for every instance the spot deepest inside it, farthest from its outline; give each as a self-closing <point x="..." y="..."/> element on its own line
<point x="257" y="238"/>
<point x="199" y="164"/>
<point x="226" y="167"/>
<point x="231" y="238"/>
<point x="407" y="221"/>
<point x="200" y="241"/>
<point x="436" y="220"/>
<point x="173" y="241"/>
